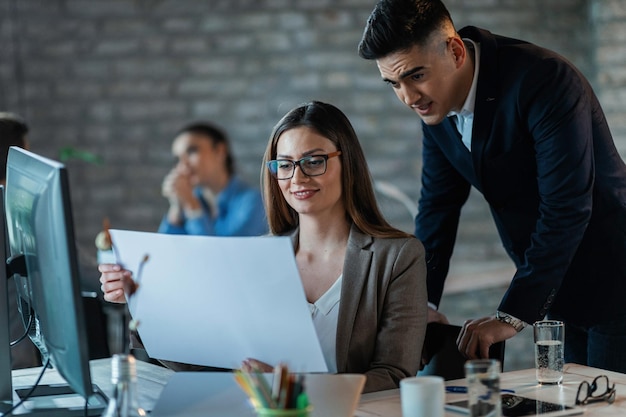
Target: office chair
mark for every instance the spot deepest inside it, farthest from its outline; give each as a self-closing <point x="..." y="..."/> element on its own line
<point x="445" y="359"/>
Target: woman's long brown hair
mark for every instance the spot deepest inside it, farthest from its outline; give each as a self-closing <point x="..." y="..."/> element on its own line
<point x="356" y="182"/>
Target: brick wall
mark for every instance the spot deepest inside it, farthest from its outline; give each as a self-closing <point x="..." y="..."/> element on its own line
<point x="118" y="77"/>
<point x="608" y="19"/>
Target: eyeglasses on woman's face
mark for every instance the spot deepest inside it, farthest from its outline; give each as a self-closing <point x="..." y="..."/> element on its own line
<point x="311" y="166"/>
<point x="600" y="389"/>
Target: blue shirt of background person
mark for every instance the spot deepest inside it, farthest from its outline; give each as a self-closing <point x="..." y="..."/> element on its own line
<point x="240" y="213"/>
<point x="205" y="195"/>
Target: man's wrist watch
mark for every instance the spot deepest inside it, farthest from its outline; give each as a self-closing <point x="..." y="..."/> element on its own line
<point x="517" y="324"/>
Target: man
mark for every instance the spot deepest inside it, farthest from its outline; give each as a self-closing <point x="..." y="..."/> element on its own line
<point x="13" y="132"/>
<point x="523" y="126"/>
<point x="206" y="198"/>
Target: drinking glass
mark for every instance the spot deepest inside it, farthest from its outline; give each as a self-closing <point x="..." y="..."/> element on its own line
<point x="549" y="339"/>
<point x="483" y="387"/>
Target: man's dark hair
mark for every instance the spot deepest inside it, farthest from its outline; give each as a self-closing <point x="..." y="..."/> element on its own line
<point x="215" y="135"/>
<point x="397" y="25"/>
<point x="13" y="130"/>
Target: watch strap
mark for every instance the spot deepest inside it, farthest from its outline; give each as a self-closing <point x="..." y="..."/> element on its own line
<point x="517" y="324"/>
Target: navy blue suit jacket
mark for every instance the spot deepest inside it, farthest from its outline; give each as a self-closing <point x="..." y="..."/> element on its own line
<point x="544" y="159"/>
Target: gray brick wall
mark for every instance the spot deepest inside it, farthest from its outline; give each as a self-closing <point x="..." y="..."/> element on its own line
<point x="118" y="77"/>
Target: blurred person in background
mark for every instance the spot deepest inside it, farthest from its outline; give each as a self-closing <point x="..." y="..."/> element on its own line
<point x="206" y="196"/>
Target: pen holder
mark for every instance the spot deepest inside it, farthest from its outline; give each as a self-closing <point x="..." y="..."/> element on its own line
<point x="278" y="412"/>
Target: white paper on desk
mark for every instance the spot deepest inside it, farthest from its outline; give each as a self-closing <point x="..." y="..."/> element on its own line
<point x="216" y="301"/>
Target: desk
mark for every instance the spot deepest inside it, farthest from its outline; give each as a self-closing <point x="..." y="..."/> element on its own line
<point x="387" y="403"/>
<point x="152" y="379"/>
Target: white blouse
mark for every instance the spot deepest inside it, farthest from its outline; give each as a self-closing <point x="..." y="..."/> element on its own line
<point x="325" y="312"/>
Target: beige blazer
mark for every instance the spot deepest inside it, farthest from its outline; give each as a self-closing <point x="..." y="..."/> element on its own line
<point x="383" y="309"/>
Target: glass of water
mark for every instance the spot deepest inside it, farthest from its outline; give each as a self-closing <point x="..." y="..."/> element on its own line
<point x="483" y="387"/>
<point x="549" y="339"/>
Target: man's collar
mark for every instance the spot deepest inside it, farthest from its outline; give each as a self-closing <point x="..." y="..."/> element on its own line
<point x="470" y="101"/>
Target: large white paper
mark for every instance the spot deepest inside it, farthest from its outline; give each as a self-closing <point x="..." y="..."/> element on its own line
<point x="216" y="301"/>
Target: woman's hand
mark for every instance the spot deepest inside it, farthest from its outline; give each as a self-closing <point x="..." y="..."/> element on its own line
<point x="178" y="186"/>
<point x="116" y="283"/>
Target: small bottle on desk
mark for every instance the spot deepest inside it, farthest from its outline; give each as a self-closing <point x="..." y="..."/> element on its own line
<point x="123" y="402"/>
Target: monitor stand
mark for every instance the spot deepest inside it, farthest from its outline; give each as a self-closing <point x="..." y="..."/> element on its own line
<point x="58" y="400"/>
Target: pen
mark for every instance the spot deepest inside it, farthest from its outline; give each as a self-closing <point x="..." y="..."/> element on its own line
<point x="463" y="390"/>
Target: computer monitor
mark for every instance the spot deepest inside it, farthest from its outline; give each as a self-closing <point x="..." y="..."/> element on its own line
<point x="41" y="234"/>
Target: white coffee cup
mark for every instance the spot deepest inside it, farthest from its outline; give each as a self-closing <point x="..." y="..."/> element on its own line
<point x="422" y="396"/>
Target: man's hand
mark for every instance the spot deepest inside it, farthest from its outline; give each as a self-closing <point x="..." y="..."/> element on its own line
<point x="478" y="335"/>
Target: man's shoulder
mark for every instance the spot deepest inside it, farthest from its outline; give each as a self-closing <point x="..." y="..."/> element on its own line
<point x="505" y="48"/>
<point x="483" y="35"/>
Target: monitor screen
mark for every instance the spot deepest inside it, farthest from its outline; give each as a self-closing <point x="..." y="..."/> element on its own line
<point x="40" y="230"/>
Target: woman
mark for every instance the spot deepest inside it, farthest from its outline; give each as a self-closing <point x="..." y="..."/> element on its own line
<point x="206" y="196"/>
<point x="365" y="280"/>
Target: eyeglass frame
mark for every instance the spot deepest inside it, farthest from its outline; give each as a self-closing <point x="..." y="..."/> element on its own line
<point x="608" y="396"/>
<point x="298" y="163"/>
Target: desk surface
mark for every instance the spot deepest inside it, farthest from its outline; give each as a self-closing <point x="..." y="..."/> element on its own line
<point x="152" y="379"/>
<point x="387" y="403"/>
